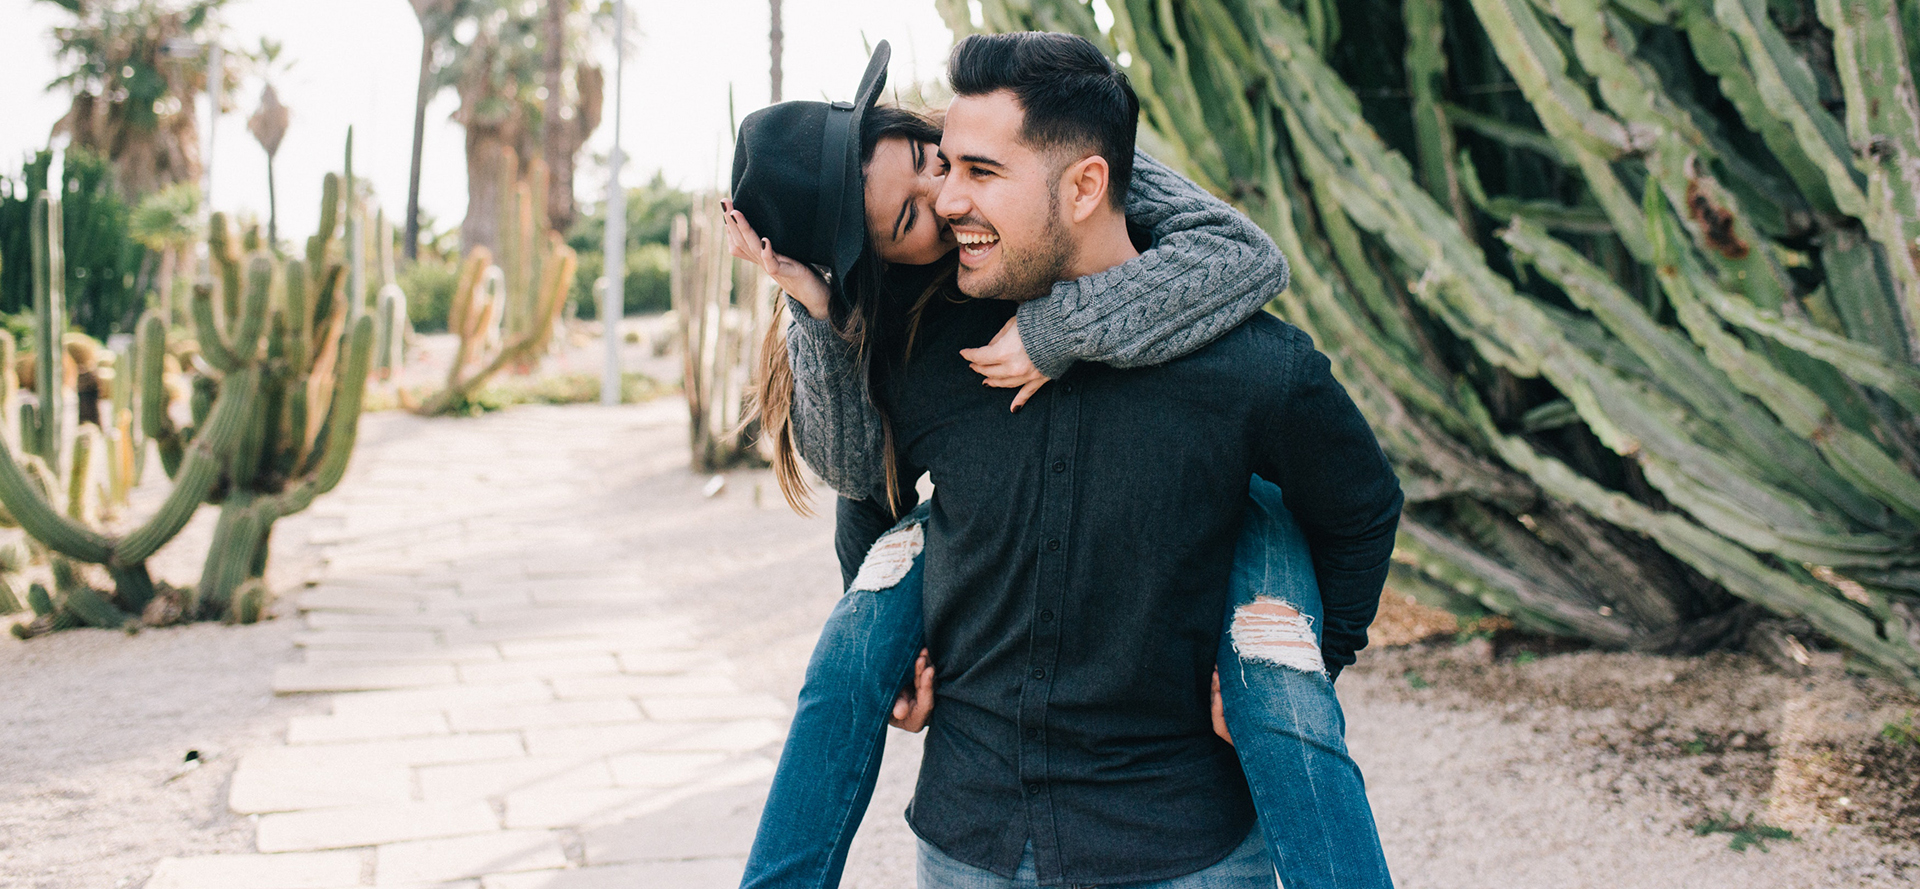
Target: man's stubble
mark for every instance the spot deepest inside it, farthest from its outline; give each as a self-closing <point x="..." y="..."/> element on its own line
<point x="1029" y="273"/>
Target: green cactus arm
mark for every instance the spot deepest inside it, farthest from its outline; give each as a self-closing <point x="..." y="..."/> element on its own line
<point x="343" y="427"/>
<point x="299" y="321"/>
<point x="1899" y="381"/>
<point x="1883" y="120"/>
<point x="92" y="609"/>
<point x="253" y="314"/>
<point x="213" y="345"/>
<point x="1787" y="88"/>
<point x="318" y="245"/>
<point x="235" y="536"/>
<point x="1717" y="558"/>
<point x="41" y="434"/>
<point x="152" y="354"/>
<point x="41" y="520"/>
<point x="1704" y="388"/>
<point x="224" y="251"/>
<point x="80" y="473"/>
<point x="199" y="470"/>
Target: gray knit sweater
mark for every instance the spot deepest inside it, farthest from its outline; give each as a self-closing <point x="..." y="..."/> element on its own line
<point x="1209" y="269"/>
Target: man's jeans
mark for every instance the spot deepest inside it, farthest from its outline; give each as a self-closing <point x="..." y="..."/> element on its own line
<point x="1287" y="725"/>
<point x="1246" y="867"/>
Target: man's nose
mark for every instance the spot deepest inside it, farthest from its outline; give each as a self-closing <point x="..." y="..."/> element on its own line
<point x="952" y="201"/>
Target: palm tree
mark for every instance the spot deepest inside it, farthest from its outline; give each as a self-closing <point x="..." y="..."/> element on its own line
<point x="134" y="71"/>
<point x="268" y="126"/>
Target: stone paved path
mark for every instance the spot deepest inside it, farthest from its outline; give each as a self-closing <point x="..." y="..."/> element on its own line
<point x="521" y="695"/>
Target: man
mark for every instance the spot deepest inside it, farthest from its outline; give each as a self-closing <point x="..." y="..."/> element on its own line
<point x="1078" y="551"/>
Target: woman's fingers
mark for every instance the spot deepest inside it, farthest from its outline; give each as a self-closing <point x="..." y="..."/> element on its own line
<point x="914" y="705"/>
<point x="1219" y="711"/>
<point x="1026" y="392"/>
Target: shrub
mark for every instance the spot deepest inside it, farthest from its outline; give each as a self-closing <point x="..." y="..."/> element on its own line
<point x="429" y="287"/>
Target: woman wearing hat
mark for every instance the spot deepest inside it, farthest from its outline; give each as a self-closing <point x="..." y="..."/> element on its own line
<point x="834" y="201"/>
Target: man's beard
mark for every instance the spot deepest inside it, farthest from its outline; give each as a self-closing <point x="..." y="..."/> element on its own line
<point x="1027" y="273"/>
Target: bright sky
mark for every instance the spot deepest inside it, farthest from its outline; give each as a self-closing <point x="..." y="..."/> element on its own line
<point x="357" y="62"/>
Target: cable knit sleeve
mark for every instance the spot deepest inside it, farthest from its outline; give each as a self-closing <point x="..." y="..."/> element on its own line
<point x="1209" y="269"/>
<point x="836" y="428"/>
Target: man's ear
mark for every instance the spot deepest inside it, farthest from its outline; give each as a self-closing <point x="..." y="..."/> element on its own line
<point x="1084" y="186"/>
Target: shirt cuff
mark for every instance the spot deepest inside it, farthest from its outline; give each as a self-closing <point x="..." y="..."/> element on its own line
<point x="1043" y="331"/>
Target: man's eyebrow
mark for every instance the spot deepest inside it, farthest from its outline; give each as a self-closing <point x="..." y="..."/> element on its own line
<point x="977" y="160"/>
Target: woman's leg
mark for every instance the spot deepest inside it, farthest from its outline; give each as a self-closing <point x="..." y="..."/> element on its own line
<point x="832" y="756"/>
<point x="1280" y="708"/>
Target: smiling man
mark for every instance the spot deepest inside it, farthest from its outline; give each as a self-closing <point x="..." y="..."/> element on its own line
<point x="1078" y="552"/>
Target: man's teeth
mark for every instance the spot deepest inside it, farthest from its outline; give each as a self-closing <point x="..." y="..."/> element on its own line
<point x="973" y="239"/>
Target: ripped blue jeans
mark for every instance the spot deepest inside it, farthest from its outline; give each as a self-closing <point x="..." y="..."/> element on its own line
<point x="1286" y="723"/>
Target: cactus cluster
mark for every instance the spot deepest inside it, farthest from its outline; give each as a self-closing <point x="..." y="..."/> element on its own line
<point x="1637" y="323"/>
<point x="717" y="302"/>
<point x="505" y="309"/>
<point x="279" y="374"/>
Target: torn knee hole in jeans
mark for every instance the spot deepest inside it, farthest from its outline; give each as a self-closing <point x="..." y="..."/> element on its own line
<point x="1270" y="631"/>
<point x="890" y="559"/>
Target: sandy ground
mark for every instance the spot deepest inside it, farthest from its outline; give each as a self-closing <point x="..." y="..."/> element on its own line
<point x="1583" y="769"/>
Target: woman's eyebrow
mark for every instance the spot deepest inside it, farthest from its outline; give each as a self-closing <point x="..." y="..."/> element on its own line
<point x="908" y="212"/>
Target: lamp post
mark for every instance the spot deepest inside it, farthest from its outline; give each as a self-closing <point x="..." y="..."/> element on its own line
<point x="612" y="303"/>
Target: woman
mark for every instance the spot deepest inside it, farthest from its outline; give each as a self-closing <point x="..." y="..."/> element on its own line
<point x="846" y="190"/>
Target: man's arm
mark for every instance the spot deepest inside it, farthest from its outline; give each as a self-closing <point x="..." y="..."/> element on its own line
<point x="1209" y="269"/>
<point x="836" y="428"/>
<point x="1312" y="441"/>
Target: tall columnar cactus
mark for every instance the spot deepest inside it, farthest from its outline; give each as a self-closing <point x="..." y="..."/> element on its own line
<point x="1640" y="334"/>
<point x="275" y="411"/>
<point x="392" y="326"/>
<point x="505" y="314"/>
<point x="717" y="304"/>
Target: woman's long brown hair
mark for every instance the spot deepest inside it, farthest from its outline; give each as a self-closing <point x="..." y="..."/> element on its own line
<point x="858" y="307"/>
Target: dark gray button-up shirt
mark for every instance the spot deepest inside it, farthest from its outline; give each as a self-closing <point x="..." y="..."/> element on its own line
<point x="1076" y="574"/>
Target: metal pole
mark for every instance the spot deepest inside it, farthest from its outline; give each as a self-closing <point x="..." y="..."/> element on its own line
<point x="611" y="300"/>
<point x="214" y="61"/>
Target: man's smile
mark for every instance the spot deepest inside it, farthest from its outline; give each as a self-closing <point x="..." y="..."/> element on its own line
<point x="975" y="246"/>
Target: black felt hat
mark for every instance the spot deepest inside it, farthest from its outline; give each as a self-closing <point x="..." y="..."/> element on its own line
<point x="796" y="174"/>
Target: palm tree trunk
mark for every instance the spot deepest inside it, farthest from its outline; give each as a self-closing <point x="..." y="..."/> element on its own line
<point x="273" y="209"/>
<point x="557" y="124"/>
<point x="419" y="136"/>
<point x="776" y="43"/>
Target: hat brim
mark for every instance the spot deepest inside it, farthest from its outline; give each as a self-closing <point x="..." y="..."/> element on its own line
<point x="852" y="199"/>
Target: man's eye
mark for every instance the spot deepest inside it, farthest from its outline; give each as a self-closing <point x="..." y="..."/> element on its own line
<point x="979" y="173"/>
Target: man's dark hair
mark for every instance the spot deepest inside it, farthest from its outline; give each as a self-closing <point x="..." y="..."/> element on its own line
<point x="1073" y="97"/>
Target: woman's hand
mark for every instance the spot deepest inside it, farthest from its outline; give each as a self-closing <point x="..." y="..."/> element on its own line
<point x="914" y="706"/>
<point x="1004" y="362"/>
<point x="1220" y="711"/>
<point x="798" y="279"/>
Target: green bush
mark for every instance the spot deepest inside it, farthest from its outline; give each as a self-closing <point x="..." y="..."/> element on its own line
<point x="102" y="260"/>
<point x="647" y="288"/>
<point x="429" y="288"/>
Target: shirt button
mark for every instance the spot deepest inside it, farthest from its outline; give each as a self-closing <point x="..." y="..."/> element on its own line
<point x="1046" y="614"/>
<point x="1033" y="788"/>
<point x="1039" y="674"/>
<point x="1033" y="733"/>
<point x="1059" y="466"/>
<point x="1054" y="544"/>
<point x="1068" y="387"/>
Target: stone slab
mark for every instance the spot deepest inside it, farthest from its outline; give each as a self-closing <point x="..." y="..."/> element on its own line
<point x="365" y="639"/>
<point x="712" y="873"/>
<point x="623" y="685"/>
<point x="258" y="790"/>
<point x="502" y="695"/>
<point x="400" y="752"/>
<point x="692" y="708"/>
<point x="542" y="668"/>
<point x="313" y="870"/>
<point x="299" y="678"/>
<point x="386" y="726"/>
<point x="557" y="714"/>
<point x="499" y="852"/>
<point x="589" y="741"/>
<point x="491" y="780"/>
<point x="662" y="769"/>
<point x="371" y="825"/>
<point x="713" y="825"/>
